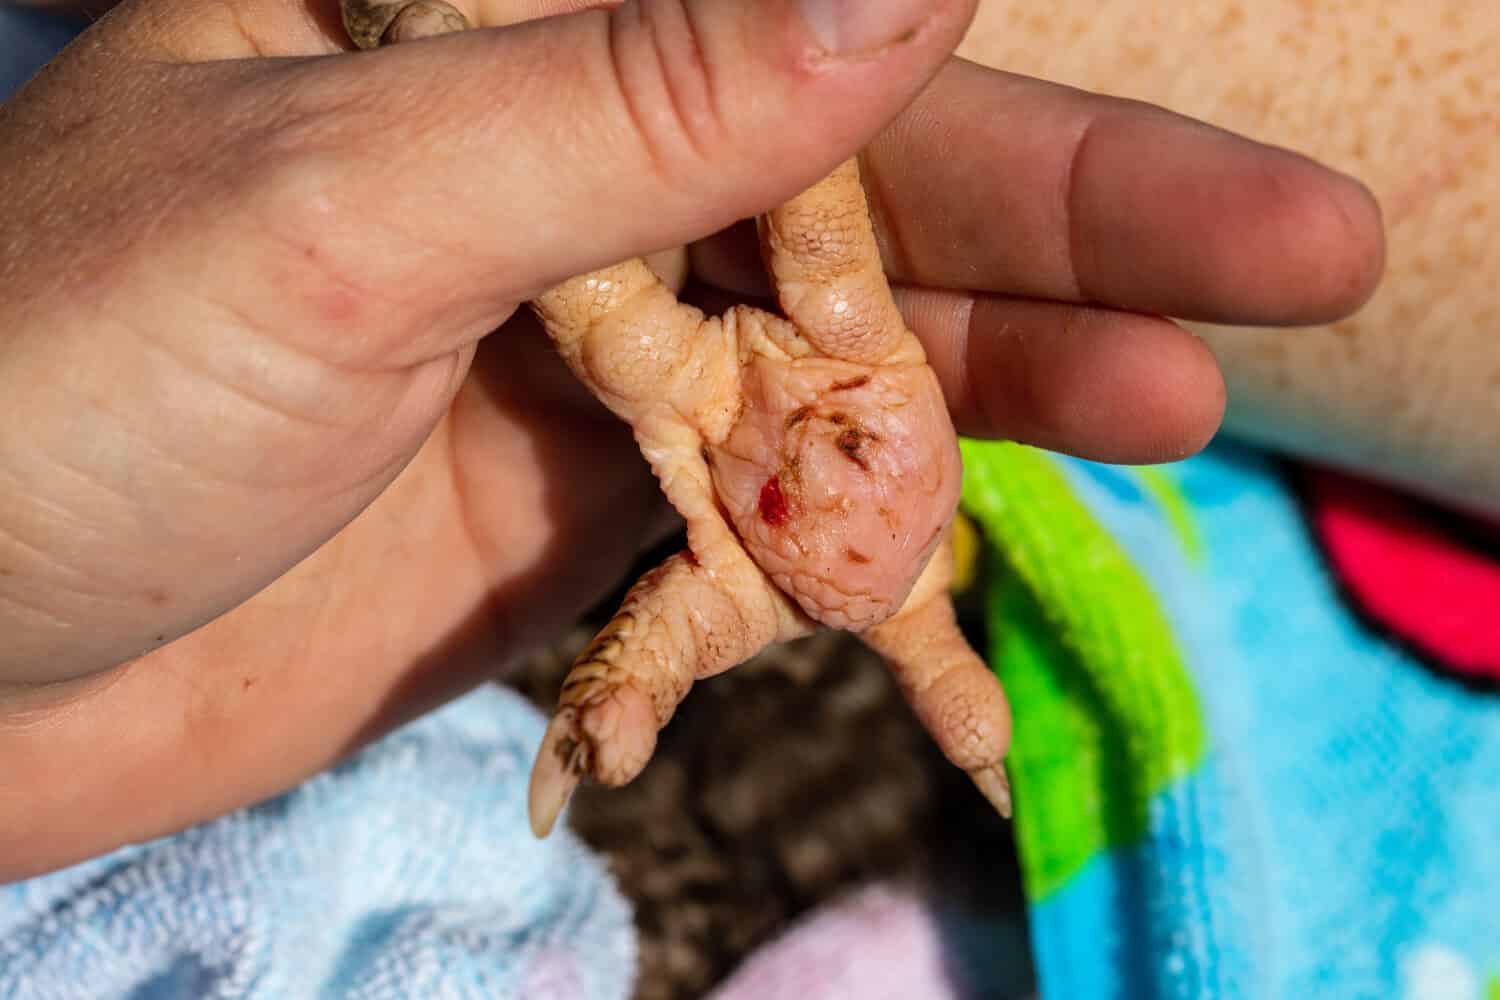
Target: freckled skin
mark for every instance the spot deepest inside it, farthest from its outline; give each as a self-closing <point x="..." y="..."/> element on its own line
<point x="812" y="457"/>
<point x="1402" y="94"/>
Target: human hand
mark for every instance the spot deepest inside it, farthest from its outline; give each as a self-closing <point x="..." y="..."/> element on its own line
<point x="290" y="484"/>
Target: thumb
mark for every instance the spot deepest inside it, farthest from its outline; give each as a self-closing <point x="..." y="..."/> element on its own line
<point x="478" y="169"/>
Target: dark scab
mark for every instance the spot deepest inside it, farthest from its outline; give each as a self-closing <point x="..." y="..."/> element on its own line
<point x="839" y="419"/>
<point x="858" y="382"/>
<point x="857" y="557"/>
<point x="850" y="442"/>
<point x="798" y="415"/>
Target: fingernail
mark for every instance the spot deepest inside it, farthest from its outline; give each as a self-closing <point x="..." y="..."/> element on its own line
<point x="848" y="27"/>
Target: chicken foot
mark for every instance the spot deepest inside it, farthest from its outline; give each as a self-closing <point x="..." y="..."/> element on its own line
<point x="812" y="458"/>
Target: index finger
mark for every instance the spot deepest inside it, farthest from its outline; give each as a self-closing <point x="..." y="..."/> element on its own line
<point x="993" y="182"/>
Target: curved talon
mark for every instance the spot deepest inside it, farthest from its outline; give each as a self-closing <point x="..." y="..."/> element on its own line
<point x="605" y="729"/>
<point x="994" y="785"/>
<point x="560" y="766"/>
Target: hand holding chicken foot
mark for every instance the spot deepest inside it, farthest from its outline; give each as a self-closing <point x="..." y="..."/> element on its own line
<point x="818" y="471"/>
<point x="812" y="457"/>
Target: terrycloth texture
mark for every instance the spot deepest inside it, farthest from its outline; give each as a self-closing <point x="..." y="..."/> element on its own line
<point x="884" y="944"/>
<point x="881" y="945"/>
<point x="408" y="872"/>
<point x="1227" y="784"/>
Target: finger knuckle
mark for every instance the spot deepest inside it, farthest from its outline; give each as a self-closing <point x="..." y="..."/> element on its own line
<point x="334" y="256"/>
<point x="666" y="79"/>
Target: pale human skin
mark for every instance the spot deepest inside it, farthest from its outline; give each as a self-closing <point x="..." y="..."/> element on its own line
<point x="280" y="470"/>
<point x="1403" y="94"/>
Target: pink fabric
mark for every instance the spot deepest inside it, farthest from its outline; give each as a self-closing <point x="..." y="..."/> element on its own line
<point x="878" y="945"/>
<point x="1406" y="568"/>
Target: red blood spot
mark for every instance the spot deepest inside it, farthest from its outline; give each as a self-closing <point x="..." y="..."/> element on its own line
<point x="773" y="508"/>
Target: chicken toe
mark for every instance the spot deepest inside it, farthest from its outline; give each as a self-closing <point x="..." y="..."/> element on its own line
<point x="956" y="697"/>
<point x="679" y="623"/>
<point x="821" y="251"/>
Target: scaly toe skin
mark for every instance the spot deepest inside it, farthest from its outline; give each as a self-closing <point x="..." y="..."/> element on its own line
<point x="620" y="729"/>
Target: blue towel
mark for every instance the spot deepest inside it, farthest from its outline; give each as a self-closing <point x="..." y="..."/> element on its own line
<point x="1228" y="783"/>
<point x="409" y="871"/>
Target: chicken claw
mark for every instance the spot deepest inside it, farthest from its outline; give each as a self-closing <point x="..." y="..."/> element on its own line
<point x="812" y="457"/>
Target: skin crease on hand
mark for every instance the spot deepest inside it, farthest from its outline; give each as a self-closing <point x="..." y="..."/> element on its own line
<point x="287" y="463"/>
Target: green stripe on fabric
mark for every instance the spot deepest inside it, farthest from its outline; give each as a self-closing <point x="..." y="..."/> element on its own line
<point x="1175" y="506"/>
<point x="1105" y="713"/>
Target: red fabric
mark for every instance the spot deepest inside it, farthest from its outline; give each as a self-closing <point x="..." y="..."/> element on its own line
<point x="1430" y="579"/>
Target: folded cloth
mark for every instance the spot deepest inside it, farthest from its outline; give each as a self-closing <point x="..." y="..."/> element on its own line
<point x="1229" y="783"/>
<point x="409" y="871"/>
<point x="885" y="943"/>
